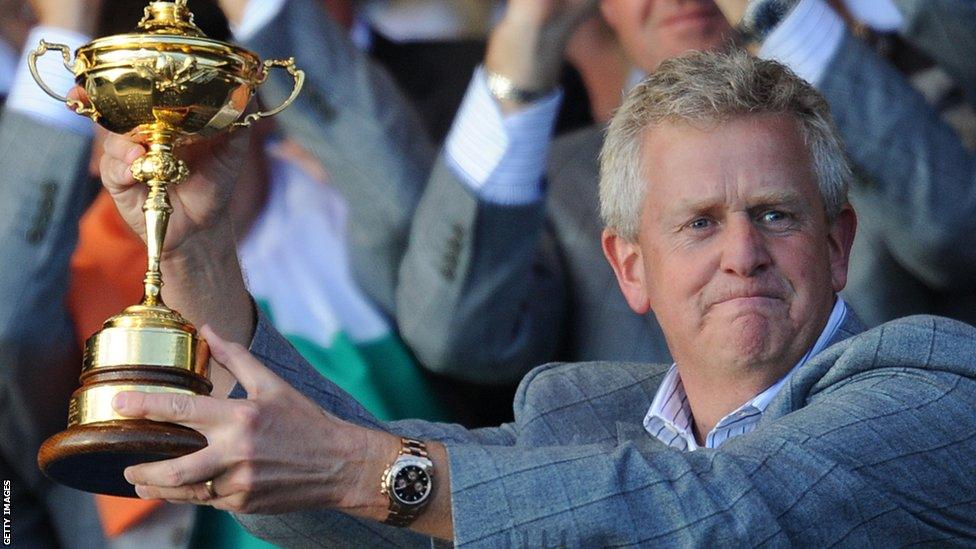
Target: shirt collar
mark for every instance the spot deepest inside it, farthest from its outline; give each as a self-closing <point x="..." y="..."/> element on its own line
<point x="669" y="416"/>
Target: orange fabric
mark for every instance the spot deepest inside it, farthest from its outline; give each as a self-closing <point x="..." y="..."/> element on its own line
<point x="107" y="269"/>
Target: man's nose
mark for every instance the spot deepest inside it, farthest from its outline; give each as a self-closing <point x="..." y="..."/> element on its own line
<point x="744" y="249"/>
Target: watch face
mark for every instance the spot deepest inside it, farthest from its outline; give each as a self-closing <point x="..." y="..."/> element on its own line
<point x="411" y="485"/>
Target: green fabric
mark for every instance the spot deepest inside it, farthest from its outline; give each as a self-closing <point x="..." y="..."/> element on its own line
<point x="215" y="529"/>
<point x="380" y="374"/>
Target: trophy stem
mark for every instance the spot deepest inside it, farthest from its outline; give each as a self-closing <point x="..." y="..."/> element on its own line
<point x="158" y="168"/>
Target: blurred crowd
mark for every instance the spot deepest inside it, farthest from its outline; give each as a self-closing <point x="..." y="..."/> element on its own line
<point x="423" y="223"/>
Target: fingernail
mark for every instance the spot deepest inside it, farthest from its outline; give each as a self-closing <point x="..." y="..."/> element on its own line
<point x="119" y="402"/>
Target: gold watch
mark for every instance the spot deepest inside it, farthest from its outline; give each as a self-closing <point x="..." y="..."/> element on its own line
<point x="408" y="483"/>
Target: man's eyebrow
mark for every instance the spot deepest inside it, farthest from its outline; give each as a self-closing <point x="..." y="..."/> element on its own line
<point x="765" y="197"/>
<point x="776" y="196"/>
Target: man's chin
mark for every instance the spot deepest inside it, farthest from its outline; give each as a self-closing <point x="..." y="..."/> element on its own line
<point x="750" y="337"/>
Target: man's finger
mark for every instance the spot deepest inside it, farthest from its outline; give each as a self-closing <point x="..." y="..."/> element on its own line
<point x="249" y="371"/>
<point x="116" y="174"/>
<point x="194" y="468"/>
<point x="78" y="93"/>
<point x="191" y="493"/>
<point x="123" y="148"/>
<point x="195" y="412"/>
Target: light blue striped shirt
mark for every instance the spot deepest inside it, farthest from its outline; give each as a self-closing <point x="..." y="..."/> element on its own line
<point x="669" y="417"/>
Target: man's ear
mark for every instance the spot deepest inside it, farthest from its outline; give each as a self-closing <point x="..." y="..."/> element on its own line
<point x="840" y="239"/>
<point x="627" y="261"/>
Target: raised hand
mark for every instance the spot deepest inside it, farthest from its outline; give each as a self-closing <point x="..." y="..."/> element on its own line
<point x="733" y="10"/>
<point x="527" y="45"/>
<point x="233" y="9"/>
<point x="77" y="15"/>
<point x="199" y="203"/>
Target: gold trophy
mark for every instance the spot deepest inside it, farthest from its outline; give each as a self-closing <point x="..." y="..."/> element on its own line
<point x="165" y="84"/>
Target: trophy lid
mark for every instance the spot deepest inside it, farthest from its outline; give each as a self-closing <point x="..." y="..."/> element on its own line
<point x="166" y="26"/>
<point x="172" y="18"/>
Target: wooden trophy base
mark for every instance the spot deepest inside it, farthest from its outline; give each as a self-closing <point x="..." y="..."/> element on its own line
<point x="145" y="348"/>
<point x="92" y="457"/>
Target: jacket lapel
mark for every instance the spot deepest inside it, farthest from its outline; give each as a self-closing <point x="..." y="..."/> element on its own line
<point x="794" y="393"/>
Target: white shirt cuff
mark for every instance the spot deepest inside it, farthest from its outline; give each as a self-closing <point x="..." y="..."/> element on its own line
<point x="28" y="98"/>
<point x="806" y="39"/>
<point x="257" y="14"/>
<point x="501" y="158"/>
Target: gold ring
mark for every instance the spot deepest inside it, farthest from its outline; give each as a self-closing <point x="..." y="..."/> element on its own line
<point x="210" y="489"/>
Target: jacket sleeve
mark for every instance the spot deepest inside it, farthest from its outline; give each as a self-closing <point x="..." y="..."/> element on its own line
<point x="42" y="197"/>
<point x="876" y="452"/>
<point x="482" y="290"/>
<point x="368" y="137"/>
<point x="323" y="528"/>
<point x="919" y="174"/>
<point x="946" y="31"/>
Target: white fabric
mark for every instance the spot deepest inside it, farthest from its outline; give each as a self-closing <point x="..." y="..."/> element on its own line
<point x="806" y="39"/>
<point x="669" y="417"/>
<point x="257" y="14"/>
<point x="8" y="64"/>
<point x="429" y="20"/>
<point x="28" y="98"/>
<point x="880" y="15"/>
<point x="295" y="257"/>
<point x="501" y="158"/>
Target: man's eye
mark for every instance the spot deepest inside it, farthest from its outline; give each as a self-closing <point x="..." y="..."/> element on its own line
<point x="700" y="223"/>
<point x="773" y="216"/>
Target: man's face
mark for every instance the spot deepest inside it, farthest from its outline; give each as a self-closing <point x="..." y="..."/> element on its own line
<point x="651" y="31"/>
<point x="734" y="253"/>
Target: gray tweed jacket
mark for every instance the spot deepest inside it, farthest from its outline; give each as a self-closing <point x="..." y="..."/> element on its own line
<point x="869" y="444"/>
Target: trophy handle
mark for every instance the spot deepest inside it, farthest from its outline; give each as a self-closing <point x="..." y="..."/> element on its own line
<point x="74" y="104"/>
<point x="297" y="74"/>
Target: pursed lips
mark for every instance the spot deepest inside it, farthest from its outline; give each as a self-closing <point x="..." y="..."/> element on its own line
<point x="747" y="297"/>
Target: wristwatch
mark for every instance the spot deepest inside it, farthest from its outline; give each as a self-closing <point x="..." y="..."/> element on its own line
<point x="762" y="16"/>
<point x="408" y="482"/>
<point x="504" y="88"/>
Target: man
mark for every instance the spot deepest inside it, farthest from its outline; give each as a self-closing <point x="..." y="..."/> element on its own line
<point x="724" y="194"/>
<point x="503" y="271"/>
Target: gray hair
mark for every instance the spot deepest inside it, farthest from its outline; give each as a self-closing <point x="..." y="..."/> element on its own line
<point x="713" y="87"/>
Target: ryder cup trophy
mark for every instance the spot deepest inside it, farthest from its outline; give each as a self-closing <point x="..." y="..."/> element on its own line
<point x="165" y="84"/>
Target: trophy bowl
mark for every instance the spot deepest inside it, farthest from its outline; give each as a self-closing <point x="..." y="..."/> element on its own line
<point x="194" y="86"/>
<point x="164" y="85"/>
<point x="167" y="79"/>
